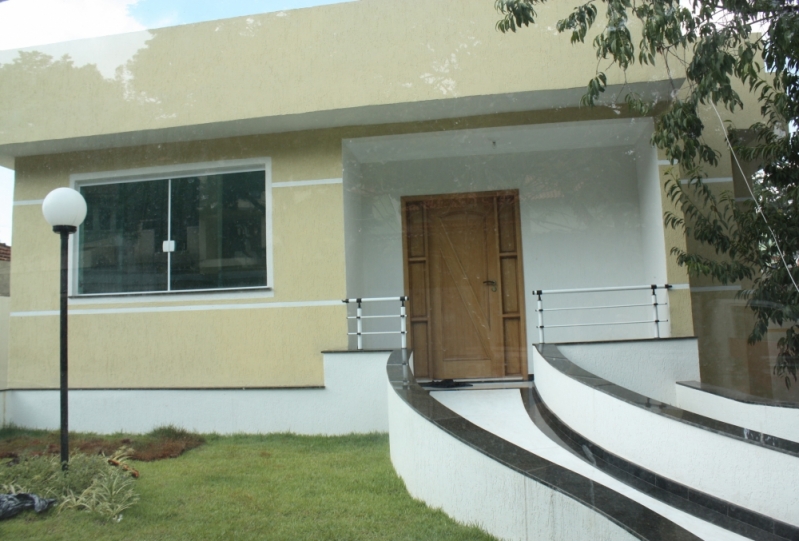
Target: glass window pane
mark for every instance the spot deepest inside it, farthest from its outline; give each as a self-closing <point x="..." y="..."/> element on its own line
<point x="219" y="229"/>
<point x="121" y="240"/>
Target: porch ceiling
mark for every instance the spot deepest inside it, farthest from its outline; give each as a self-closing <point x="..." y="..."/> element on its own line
<point x="502" y="140"/>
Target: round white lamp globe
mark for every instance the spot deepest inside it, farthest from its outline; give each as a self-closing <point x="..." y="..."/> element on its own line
<point x="64" y="206"/>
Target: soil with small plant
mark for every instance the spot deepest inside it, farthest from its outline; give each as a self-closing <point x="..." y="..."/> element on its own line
<point x="99" y="479"/>
<point x="161" y="443"/>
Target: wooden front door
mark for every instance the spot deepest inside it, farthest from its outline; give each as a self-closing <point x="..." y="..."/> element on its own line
<point x="463" y="274"/>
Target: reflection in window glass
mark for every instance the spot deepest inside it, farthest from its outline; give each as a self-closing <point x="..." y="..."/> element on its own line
<point x="121" y="238"/>
<point x="217" y="238"/>
<point x="218" y="225"/>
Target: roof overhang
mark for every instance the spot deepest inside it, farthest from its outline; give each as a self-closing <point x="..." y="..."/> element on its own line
<point x="448" y="108"/>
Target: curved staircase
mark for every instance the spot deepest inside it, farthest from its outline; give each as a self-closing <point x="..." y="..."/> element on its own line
<point x="510" y="461"/>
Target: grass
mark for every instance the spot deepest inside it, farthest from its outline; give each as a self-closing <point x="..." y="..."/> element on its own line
<point x="281" y="487"/>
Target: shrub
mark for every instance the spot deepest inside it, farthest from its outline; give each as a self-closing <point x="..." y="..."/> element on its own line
<point x="110" y="493"/>
<point x="90" y="483"/>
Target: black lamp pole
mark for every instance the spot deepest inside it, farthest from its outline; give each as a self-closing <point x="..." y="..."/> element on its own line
<point x="64" y="209"/>
<point x="65" y="231"/>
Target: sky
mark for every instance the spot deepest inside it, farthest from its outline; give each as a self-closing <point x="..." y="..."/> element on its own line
<point x="27" y="23"/>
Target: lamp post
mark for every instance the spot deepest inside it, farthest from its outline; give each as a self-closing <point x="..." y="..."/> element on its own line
<point x="64" y="209"/>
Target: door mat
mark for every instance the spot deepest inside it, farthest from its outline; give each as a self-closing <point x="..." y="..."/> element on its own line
<point x="446" y="384"/>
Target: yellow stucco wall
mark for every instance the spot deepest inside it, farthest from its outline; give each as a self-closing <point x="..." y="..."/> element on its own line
<point x="261" y="347"/>
<point x="680" y="311"/>
<point x="724" y="323"/>
<point x="211" y="341"/>
<point x="328" y="58"/>
<point x="721" y="321"/>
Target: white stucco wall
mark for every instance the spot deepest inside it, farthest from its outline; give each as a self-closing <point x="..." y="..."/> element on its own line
<point x="4" y="315"/>
<point x="353" y="204"/>
<point x="780" y="422"/>
<point x="5" y="310"/>
<point x="748" y="475"/>
<point x="353" y="400"/>
<point x="653" y="241"/>
<point x="475" y="489"/>
<point x="648" y="367"/>
<point x="589" y="216"/>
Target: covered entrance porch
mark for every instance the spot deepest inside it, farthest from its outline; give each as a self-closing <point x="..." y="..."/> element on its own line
<point x="446" y="218"/>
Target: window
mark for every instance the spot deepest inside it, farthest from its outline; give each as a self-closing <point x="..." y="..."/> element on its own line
<point x="190" y="231"/>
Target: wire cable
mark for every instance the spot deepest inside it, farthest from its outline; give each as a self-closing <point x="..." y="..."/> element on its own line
<point x="758" y="209"/>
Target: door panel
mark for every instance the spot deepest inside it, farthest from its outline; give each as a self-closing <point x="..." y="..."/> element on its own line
<point x="464" y="282"/>
<point x="463" y="257"/>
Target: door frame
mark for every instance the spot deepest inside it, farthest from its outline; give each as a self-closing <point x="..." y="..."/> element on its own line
<point x="422" y="364"/>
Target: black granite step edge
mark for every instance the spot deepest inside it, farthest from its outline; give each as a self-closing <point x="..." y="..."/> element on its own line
<point x="738" y="396"/>
<point x="638" y="520"/>
<point x="559" y="362"/>
<point x="709" y="508"/>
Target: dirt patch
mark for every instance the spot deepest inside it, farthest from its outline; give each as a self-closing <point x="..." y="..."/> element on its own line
<point x="165" y="449"/>
<point x="157" y="445"/>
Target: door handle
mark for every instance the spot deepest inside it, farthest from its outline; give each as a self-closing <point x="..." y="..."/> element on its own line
<point x="491" y="283"/>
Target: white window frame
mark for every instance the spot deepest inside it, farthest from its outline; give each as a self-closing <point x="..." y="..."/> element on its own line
<point x="77" y="180"/>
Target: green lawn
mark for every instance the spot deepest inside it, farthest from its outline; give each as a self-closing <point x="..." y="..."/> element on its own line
<point x="261" y="487"/>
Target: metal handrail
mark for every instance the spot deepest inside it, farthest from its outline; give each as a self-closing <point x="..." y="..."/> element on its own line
<point x="653" y="287"/>
<point x="359" y="317"/>
<point x="600" y="289"/>
<point x="594" y="307"/>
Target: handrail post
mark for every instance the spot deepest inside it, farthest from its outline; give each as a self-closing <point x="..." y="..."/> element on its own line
<point x="403" y="326"/>
<point x="540" y="317"/>
<point x="359" y="325"/>
<point x="655" y="308"/>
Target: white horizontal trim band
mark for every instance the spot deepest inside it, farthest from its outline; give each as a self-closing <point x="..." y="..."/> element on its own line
<point x="180" y="297"/>
<point x="376" y="299"/>
<point x="295" y="183"/>
<point x="711" y="180"/>
<point x="664" y="162"/>
<point x="188" y="308"/>
<point x="35" y="313"/>
<point x="681" y="286"/>
<point x="375" y="317"/>
<point x="28" y="202"/>
<point x="173" y="171"/>
<point x="375" y="332"/>
<point x="716" y="288"/>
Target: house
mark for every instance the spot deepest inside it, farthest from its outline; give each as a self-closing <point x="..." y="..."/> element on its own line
<point x="244" y="176"/>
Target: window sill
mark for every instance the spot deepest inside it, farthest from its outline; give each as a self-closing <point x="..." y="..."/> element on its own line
<point x="174" y="296"/>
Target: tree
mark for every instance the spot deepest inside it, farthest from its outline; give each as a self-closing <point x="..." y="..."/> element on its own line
<point x="756" y="241"/>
